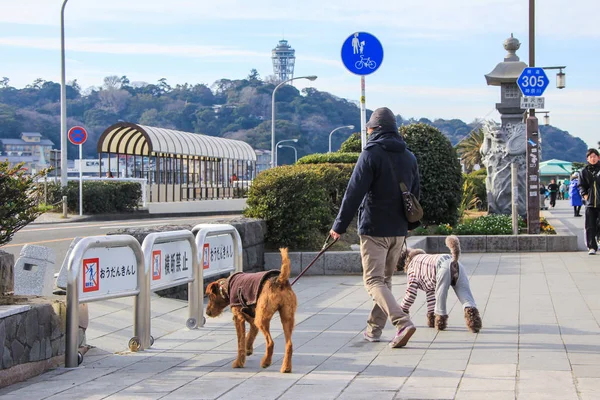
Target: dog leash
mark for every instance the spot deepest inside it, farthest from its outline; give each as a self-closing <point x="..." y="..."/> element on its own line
<point x="325" y="247"/>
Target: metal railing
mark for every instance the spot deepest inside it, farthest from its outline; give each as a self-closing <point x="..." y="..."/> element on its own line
<point x="86" y="287"/>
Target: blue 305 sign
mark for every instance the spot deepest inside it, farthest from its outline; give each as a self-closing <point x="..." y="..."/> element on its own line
<point x="533" y="81"/>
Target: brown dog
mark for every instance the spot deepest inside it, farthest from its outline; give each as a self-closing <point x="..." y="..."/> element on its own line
<point x="254" y="298"/>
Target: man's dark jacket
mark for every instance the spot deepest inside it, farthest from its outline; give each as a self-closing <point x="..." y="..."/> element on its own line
<point x="589" y="184"/>
<point x="372" y="186"/>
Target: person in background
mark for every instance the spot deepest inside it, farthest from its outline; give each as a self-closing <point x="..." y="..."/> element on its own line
<point x="553" y="189"/>
<point x="542" y="196"/>
<point x="109" y="174"/>
<point x="589" y="188"/>
<point x="567" y="183"/>
<point x="562" y="189"/>
<point x="574" y="195"/>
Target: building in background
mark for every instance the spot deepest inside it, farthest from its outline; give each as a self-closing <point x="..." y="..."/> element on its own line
<point x="284" y="58"/>
<point x="263" y="160"/>
<point x="31" y="149"/>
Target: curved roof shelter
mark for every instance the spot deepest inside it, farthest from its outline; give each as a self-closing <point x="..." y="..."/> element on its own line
<point x="134" y="139"/>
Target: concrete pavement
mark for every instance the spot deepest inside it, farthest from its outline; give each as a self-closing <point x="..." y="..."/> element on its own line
<point x="541" y="324"/>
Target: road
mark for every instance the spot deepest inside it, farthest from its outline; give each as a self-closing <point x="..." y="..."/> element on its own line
<point x="58" y="236"/>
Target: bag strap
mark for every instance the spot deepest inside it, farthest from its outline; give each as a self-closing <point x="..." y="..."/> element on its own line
<point x="403" y="187"/>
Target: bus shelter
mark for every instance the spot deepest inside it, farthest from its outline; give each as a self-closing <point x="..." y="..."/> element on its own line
<point x="178" y="166"/>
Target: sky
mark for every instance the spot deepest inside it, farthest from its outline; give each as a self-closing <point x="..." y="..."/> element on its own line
<point x="436" y="53"/>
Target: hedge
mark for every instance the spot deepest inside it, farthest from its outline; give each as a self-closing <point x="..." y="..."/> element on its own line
<point x="330" y="158"/>
<point x="440" y="173"/>
<point x="99" y="197"/>
<point x="352" y="145"/>
<point x="298" y="202"/>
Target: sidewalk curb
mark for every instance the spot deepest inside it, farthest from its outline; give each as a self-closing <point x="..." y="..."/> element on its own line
<point x="128" y="216"/>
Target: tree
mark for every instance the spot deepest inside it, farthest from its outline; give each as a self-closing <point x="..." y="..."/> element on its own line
<point x="4" y="82"/>
<point x="468" y="149"/>
<point x="439" y="170"/>
<point x="19" y="193"/>
<point x="112" y="82"/>
<point x="163" y="85"/>
<point x="37" y="84"/>
<point x="254" y="77"/>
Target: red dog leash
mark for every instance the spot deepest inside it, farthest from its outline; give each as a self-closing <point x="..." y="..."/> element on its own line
<point x="326" y="246"/>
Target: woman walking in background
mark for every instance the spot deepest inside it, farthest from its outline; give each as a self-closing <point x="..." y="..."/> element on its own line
<point x="574" y="195"/>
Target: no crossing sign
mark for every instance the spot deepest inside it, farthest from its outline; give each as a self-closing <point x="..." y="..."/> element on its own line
<point x="77" y="135"/>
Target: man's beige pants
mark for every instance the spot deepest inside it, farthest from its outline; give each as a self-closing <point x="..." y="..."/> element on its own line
<point x="380" y="256"/>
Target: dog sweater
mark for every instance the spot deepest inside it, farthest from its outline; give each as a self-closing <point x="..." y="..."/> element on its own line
<point x="244" y="288"/>
<point x="421" y="274"/>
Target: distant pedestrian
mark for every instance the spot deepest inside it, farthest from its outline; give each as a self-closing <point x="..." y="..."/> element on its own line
<point x="589" y="185"/>
<point x="553" y="189"/>
<point x="109" y="174"/>
<point x="542" y="196"/>
<point x="562" y="190"/>
<point x="576" y="202"/>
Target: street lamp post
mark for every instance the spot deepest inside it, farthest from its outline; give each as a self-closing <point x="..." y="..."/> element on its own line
<point x="560" y="76"/>
<point x="273" y="147"/>
<point x="277" y="145"/>
<point x="291" y="147"/>
<point x="341" y="127"/>
<point x="63" y="101"/>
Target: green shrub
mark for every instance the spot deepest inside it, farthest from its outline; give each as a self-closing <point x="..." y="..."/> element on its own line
<point x="298" y="202"/>
<point x="19" y="194"/>
<point x="420" y="231"/>
<point x="486" y="225"/>
<point x="443" y="229"/>
<point x="331" y="158"/>
<point x="99" y="197"/>
<point x="440" y="173"/>
<point x="476" y="180"/>
<point x="352" y="144"/>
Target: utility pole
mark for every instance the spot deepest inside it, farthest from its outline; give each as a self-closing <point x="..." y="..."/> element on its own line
<point x="533" y="144"/>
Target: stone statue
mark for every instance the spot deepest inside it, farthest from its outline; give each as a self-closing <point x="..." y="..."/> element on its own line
<point x="505" y="144"/>
<point x="502" y="146"/>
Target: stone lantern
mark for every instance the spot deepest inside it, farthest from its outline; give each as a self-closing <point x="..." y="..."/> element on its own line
<point x="505" y="144"/>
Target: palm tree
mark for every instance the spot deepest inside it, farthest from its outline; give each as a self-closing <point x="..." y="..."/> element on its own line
<point x="468" y="149"/>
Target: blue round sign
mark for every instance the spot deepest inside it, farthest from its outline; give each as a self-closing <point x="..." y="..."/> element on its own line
<point x="362" y="53"/>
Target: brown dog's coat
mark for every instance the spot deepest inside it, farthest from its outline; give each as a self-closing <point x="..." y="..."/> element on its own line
<point x="275" y="295"/>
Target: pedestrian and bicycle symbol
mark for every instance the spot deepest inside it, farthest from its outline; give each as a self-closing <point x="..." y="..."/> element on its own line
<point x="77" y="135"/>
<point x="362" y="53"/>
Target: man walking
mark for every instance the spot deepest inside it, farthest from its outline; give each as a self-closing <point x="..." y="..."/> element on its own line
<point x="382" y="225"/>
<point x="589" y="187"/>
<point x="553" y="189"/>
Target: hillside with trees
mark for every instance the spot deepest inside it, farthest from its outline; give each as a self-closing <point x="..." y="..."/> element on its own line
<point x="237" y="109"/>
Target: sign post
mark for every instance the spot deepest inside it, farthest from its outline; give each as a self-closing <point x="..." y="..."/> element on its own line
<point x="362" y="54"/>
<point x="533" y="81"/>
<point x="78" y="135"/>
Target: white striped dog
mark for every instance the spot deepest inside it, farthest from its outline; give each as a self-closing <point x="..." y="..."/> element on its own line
<point x="434" y="274"/>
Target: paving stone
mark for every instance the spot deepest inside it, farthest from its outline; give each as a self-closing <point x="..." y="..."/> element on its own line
<point x="539" y="341"/>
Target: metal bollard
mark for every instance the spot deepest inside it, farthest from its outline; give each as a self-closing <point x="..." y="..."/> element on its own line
<point x="64" y="201"/>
